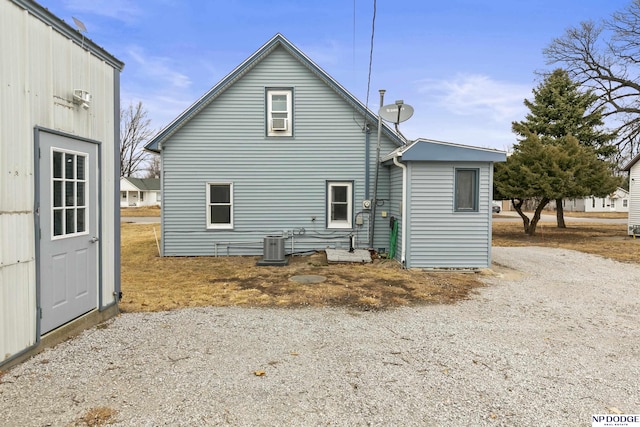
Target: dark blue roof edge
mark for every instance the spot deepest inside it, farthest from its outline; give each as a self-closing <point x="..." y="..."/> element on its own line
<point x="245" y="66"/>
<point x="68" y="31"/>
<point x="415" y="151"/>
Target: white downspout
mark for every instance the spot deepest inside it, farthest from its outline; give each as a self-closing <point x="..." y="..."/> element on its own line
<point x="404" y="209"/>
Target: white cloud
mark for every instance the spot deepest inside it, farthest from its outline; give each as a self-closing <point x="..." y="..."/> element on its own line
<point x="478" y="95"/>
<point x="157" y="68"/>
<point x="164" y="90"/>
<point x="122" y="10"/>
<point x="161" y="109"/>
<point x="328" y="52"/>
<point x="468" y="109"/>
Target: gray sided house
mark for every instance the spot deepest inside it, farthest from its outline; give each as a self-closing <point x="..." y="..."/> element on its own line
<point x="633" y="167"/>
<point x="59" y="213"/>
<point x="279" y="148"/>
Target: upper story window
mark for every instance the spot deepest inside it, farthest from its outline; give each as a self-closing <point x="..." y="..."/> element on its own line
<point x="466" y="190"/>
<point x="279" y="112"/>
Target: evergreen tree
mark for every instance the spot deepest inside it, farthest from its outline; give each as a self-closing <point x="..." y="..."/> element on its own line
<point x="543" y="172"/>
<point x="559" y="109"/>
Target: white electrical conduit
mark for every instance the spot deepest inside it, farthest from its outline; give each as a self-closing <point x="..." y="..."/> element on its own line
<point x="404" y="209"/>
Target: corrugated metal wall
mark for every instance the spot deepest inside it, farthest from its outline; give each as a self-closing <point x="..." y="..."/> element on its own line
<point x="438" y="236"/>
<point x="39" y="70"/>
<point x="279" y="184"/>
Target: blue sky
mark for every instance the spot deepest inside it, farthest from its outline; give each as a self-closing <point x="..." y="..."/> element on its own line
<point x="464" y="65"/>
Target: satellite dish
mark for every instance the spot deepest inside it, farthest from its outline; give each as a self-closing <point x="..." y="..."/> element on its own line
<point x="396" y="113"/>
<point x="79" y="24"/>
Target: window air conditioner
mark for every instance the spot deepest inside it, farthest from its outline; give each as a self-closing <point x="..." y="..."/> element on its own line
<point x="82" y="97"/>
<point x="279" y="124"/>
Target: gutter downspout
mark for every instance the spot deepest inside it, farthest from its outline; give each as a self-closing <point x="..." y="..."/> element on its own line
<point x="367" y="167"/>
<point x="403" y="259"/>
<point x="374" y="201"/>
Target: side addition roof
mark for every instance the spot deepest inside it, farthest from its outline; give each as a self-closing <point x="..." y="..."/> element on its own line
<point x="276" y="41"/>
<point x="430" y="150"/>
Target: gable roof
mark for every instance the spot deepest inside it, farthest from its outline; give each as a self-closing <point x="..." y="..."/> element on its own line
<point x="431" y="150"/>
<point x="144" y="184"/>
<point x="620" y="192"/>
<point x="155" y="144"/>
<point x="631" y="163"/>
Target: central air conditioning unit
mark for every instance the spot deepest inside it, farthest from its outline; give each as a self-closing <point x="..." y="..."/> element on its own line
<point x="273" y="253"/>
<point x="279" y="124"/>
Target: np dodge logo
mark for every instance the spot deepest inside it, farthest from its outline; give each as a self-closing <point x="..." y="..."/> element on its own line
<point x="615" y="420"/>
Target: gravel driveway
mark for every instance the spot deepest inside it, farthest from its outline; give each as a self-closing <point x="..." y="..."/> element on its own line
<point x="551" y="340"/>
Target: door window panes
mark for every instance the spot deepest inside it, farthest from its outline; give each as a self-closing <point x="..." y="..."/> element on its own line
<point x="68" y="166"/>
<point x="68" y="193"/>
<point x="57" y="165"/>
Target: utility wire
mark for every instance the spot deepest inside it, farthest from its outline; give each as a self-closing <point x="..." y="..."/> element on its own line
<point x="373" y="30"/>
<point x="354" y="39"/>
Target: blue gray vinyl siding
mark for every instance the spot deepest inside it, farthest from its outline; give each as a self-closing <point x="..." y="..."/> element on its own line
<point x="279" y="183"/>
<point x="439" y="237"/>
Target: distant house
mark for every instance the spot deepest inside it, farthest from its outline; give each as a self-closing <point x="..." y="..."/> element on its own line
<point x="618" y="201"/>
<point x="139" y="192"/>
<point x="633" y="167"/>
<point x="280" y="151"/>
<point x="59" y="214"/>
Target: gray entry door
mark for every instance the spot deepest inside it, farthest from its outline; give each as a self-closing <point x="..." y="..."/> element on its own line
<point x="69" y="244"/>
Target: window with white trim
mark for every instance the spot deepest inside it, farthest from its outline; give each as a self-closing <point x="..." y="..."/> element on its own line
<point x="279" y="112"/>
<point x="339" y="204"/>
<point x="466" y="190"/>
<point x="625" y="203"/>
<point x="219" y="205"/>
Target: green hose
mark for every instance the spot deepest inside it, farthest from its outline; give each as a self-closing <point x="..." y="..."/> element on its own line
<point x="393" y="239"/>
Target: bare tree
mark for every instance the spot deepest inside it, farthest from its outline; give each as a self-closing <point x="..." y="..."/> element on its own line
<point x="153" y="167"/>
<point x="605" y="57"/>
<point x="135" y="130"/>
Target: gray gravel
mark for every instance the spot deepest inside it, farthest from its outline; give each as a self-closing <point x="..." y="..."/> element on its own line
<point x="552" y="340"/>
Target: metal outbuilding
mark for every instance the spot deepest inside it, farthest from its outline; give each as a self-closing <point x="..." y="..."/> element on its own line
<point x="59" y="198"/>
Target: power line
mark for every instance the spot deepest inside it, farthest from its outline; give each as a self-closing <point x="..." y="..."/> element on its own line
<point x="373" y="30"/>
<point x="354" y="38"/>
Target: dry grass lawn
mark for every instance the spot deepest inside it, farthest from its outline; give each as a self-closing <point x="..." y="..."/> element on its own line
<point x="140" y="211"/>
<point x="151" y="283"/>
<point x="608" y="240"/>
<point x="592" y="214"/>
